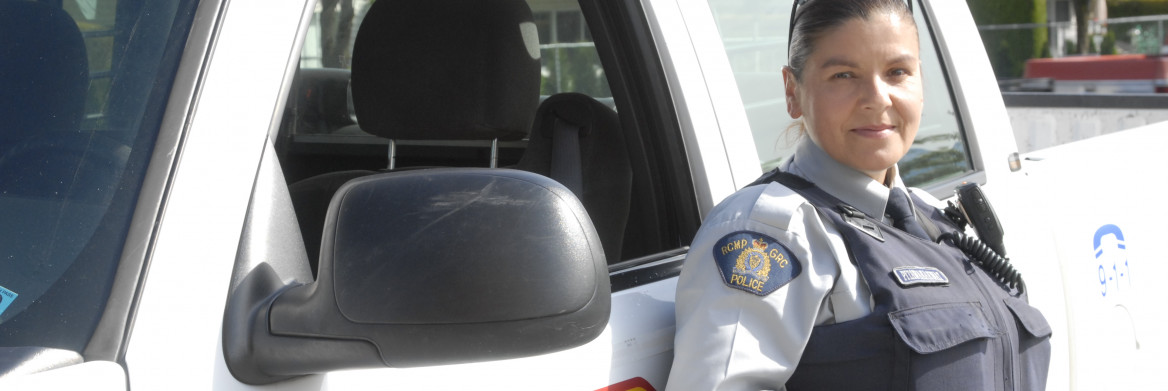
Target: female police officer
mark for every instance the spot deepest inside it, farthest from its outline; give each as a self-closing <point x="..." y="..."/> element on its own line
<point x="826" y="275"/>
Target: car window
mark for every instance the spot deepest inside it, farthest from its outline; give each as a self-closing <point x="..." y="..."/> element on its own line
<point x="568" y="57"/>
<point x="89" y="80"/>
<point x="567" y="52"/>
<point x="321" y="137"/>
<point x="754" y="34"/>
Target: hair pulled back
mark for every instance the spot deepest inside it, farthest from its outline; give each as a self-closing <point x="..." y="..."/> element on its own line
<point x="815" y="18"/>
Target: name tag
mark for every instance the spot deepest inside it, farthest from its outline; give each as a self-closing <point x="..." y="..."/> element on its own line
<point x="919" y="275"/>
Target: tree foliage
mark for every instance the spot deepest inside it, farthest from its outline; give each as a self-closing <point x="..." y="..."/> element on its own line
<point x="1009" y="49"/>
<point x="1126" y="8"/>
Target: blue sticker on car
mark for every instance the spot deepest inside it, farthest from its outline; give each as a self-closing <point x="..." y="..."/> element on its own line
<point x="755" y="263"/>
<point x="6" y="298"/>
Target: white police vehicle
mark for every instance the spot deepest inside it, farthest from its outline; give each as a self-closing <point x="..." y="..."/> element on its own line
<point x="167" y="168"/>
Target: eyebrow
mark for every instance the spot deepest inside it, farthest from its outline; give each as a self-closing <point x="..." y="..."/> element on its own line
<point x="836" y="61"/>
<point x="904" y="58"/>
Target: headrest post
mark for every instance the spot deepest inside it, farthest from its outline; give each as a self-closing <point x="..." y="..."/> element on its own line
<point x="494" y="153"/>
<point x="392" y="154"/>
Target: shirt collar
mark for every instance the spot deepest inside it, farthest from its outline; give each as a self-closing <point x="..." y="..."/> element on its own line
<point x="848" y="184"/>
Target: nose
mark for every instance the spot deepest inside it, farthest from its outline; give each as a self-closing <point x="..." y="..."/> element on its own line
<point x="876" y="95"/>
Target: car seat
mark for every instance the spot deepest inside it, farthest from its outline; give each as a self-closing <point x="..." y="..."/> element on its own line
<point x="44" y="152"/>
<point x="578" y="142"/>
<point x="44" y="71"/>
<point x="434" y="70"/>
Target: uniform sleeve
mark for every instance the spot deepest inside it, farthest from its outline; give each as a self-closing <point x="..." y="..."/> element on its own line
<point x="734" y="339"/>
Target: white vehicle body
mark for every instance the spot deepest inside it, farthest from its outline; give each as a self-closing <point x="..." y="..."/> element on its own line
<point x="215" y="161"/>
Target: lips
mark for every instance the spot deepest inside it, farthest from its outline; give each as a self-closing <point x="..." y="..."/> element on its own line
<point x="880" y="130"/>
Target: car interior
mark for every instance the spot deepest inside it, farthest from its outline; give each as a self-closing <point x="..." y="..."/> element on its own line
<point x="500" y="83"/>
<point x="85" y="90"/>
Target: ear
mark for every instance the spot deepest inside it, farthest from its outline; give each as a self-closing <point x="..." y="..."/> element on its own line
<point x="791" y="89"/>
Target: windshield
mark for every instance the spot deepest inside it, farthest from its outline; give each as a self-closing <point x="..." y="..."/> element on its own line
<point x="85" y="84"/>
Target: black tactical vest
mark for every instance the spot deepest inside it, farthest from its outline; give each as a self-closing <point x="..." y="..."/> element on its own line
<point x="939" y="322"/>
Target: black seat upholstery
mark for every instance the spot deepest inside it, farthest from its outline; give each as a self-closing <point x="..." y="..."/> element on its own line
<point x="595" y="165"/>
<point x="44" y="72"/>
<point x="446" y="70"/>
<point x="434" y="70"/>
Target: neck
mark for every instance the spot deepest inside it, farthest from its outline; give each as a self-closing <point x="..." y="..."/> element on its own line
<point x="882" y="177"/>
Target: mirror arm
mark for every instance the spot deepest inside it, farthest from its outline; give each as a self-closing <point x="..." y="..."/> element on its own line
<point x="255" y="356"/>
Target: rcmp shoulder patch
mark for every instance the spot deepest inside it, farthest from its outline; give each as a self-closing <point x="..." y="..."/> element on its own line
<point x="754" y="262"/>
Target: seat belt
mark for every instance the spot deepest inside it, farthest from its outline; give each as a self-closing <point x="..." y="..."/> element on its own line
<point x="565" y="167"/>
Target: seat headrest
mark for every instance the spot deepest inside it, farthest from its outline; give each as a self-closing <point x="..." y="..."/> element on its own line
<point x="446" y="70"/>
<point x="43" y="70"/>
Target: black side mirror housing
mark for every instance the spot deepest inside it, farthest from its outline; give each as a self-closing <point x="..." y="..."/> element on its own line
<point x="429" y="267"/>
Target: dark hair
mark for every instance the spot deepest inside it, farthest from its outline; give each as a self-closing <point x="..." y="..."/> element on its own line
<point x="814" y="18"/>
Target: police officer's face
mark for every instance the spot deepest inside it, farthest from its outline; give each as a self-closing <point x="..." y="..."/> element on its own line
<point x="861" y="96"/>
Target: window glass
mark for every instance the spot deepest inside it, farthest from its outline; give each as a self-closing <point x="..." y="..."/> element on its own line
<point x="93" y="80"/>
<point x="96" y="22"/>
<point x="329" y="43"/>
<point x="569" y="61"/>
<point x="568" y="54"/>
<point x="754" y="34"/>
<point x="320" y="136"/>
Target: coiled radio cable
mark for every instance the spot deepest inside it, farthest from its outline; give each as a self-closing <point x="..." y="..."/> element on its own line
<point x="994" y="264"/>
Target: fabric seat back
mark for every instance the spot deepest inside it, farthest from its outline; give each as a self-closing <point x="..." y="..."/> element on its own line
<point x="578" y="142"/>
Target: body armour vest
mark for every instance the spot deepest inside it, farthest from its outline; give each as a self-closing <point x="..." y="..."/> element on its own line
<point x="939" y="321"/>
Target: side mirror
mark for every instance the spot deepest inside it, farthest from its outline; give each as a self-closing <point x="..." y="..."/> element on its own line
<point x="428" y="267"/>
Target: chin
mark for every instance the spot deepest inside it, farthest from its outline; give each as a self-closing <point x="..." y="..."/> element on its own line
<point x="878" y="161"/>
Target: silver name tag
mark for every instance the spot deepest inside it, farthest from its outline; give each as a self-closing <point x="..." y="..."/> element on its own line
<point x="919" y="275"/>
